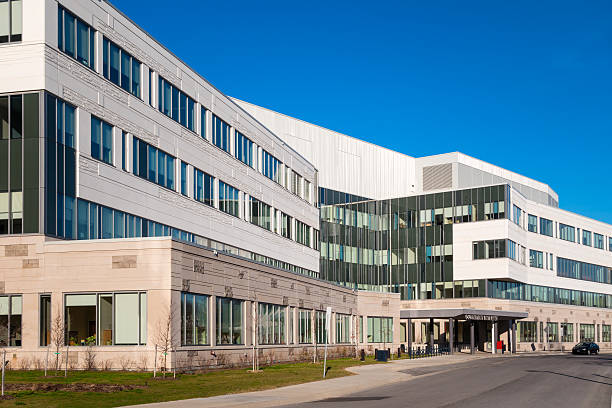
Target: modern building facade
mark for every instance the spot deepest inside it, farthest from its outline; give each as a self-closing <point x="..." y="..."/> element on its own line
<point x="451" y="232"/>
<point x="131" y="189"/>
<point x="141" y="209"/>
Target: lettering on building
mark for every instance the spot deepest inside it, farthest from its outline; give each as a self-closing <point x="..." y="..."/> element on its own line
<point x="198" y="266"/>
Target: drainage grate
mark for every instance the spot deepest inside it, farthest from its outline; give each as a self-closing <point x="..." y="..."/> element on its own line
<point x="351" y="399"/>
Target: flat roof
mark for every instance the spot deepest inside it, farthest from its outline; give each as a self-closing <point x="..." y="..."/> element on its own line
<point x="461" y="314"/>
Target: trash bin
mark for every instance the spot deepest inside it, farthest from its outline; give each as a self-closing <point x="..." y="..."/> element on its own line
<point x="381" y="355"/>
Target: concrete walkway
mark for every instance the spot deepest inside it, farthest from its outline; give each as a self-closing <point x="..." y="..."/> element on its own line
<point x="368" y="376"/>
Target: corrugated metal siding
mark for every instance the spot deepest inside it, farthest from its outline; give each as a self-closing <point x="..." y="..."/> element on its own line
<point x="438" y="177"/>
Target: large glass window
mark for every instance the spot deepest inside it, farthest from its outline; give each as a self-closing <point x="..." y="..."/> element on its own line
<point x="120" y="67"/>
<point x="305" y="326"/>
<point x="567" y="232"/>
<point x="229" y="321"/>
<point x="587" y="332"/>
<point x="546" y="227"/>
<point x="598" y="241"/>
<point x="194" y="319"/>
<point x="228" y="199"/>
<point x="271" y="167"/>
<point x="10" y="320"/>
<point x="302" y="233"/>
<point x="260" y="213"/>
<point x="517" y="215"/>
<point x="380" y="329"/>
<point x="220" y="133"/>
<point x="569" y="268"/>
<point x="605" y="333"/>
<point x="527" y="332"/>
<point x="321" y="327"/>
<point x="536" y="259"/>
<point x="106" y="319"/>
<point x="567" y="332"/>
<point x="532" y="223"/>
<point x="495" y="248"/>
<point x="101" y="140"/>
<point x="10" y="20"/>
<point x="552" y="331"/>
<point x="175" y="104"/>
<point x="286" y="222"/>
<point x="243" y="148"/>
<point x="203" y="184"/>
<point x="45" y="320"/>
<point x="76" y="38"/>
<point x="343" y="328"/>
<point x="153" y="164"/>
<point x="271" y="324"/>
<point x="586" y="238"/>
<point x="183" y="178"/>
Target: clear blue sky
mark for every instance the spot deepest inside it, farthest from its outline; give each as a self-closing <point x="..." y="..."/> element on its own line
<point x="526" y="85"/>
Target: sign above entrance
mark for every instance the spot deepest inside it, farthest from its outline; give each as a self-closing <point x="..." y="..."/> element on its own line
<point x="481" y="317"/>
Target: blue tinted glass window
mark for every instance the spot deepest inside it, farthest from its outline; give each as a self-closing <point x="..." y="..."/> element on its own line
<point x="69" y="33"/>
<point x="82" y="42"/>
<point x="107" y="143"/>
<point x="96" y="132"/>
<point x="183" y="178"/>
<point x="161" y="168"/>
<point x="107" y="223"/>
<point x="125" y="71"/>
<point x="70" y="125"/>
<point x="119" y="225"/>
<point x="135" y="77"/>
<point x="170" y="172"/>
<point x="175" y="104"/>
<point x="83" y="218"/>
<point x="114" y="64"/>
<point x="152" y="164"/>
<point x="183" y="109"/>
<point x="69" y="217"/>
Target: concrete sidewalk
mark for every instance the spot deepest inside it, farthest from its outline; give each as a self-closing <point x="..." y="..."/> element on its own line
<point x="368" y="376"/>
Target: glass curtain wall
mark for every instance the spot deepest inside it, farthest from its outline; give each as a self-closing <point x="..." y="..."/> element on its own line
<point x="403" y="245"/>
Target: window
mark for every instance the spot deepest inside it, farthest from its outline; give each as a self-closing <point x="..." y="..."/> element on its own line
<point x="306" y="190"/>
<point x="203" y="122"/>
<point x="552" y="331"/>
<point x="271" y="324"/>
<point x="123" y="151"/>
<point x="568" y="268"/>
<point x="380" y="330"/>
<point x="546" y="227"/>
<point x="605" y="333"/>
<point x="567" y="332"/>
<point x="567" y="232"/>
<point x="243" y="148"/>
<point x="587" y="332"/>
<point x="610" y="244"/>
<point x="270" y="167"/>
<point x="228" y="199"/>
<point x="10" y="321"/>
<point x="532" y="223"/>
<point x="45" y="320"/>
<point x="343" y="328"/>
<point x="194" y="319"/>
<point x="536" y="259"/>
<point x="517" y="215"/>
<point x="598" y="241"/>
<point x="120" y="67"/>
<point x="175" y="104"/>
<point x="361" y="329"/>
<point x="76" y="38"/>
<point x="220" y="133"/>
<point x="286" y="221"/>
<point x="302" y="233"/>
<point x="183" y="178"/>
<point x="321" y="327"/>
<point x="550" y="262"/>
<point x="495" y="248"/>
<point x="229" y="321"/>
<point x="106" y="319"/>
<point x="260" y="213"/>
<point x="10" y="20"/>
<point x="150" y="163"/>
<point x="526" y="332"/>
<point x="101" y="140"/>
<point x="203" y="184"/>
<point x="586" y="237"/>
<point x="305" y="328"/>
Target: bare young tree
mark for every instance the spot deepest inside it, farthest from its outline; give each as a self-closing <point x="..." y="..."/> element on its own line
<point x="57" y="337"/>
<point x="165" y="336"/>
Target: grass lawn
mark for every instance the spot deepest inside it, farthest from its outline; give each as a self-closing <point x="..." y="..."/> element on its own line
<point x="185" y="385"/>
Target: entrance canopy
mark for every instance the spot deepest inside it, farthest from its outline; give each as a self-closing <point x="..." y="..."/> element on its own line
<point x="462" y="314"/>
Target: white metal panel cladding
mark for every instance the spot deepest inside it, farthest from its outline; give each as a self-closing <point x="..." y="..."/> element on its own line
<point x="438" y="177"/>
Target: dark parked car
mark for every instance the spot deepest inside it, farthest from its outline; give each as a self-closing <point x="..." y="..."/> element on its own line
<point x="586" y="347"/>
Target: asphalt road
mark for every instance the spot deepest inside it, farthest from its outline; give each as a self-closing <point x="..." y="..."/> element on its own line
<point x="555" y="381"/>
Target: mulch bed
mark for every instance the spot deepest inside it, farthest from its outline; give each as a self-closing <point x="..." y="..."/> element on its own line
<point x="74" y="387"/>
